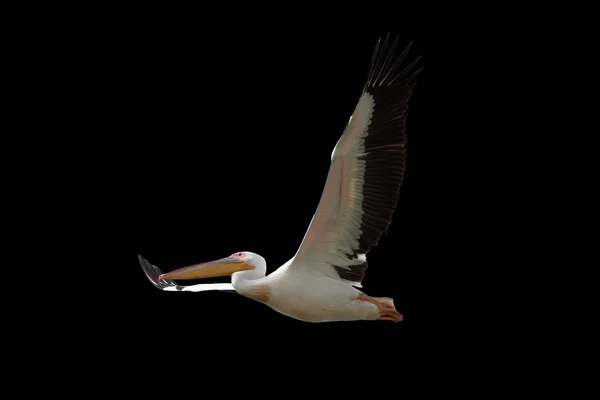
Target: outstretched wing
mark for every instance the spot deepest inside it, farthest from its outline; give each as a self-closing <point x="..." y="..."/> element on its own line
<point x="153" y="272"/>
<point x="365" y="174"/>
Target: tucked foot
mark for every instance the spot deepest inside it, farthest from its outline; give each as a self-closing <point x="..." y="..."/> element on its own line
<point x="387" y="311"/>
<point x="390" y="315"/>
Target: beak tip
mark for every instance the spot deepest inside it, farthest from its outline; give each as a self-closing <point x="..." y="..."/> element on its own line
<point x="161" y="277"/>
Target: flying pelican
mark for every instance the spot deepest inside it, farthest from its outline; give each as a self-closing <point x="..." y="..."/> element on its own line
<point x="320" y="282"/>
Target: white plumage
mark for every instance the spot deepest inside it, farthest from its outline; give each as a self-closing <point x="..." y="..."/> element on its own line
<point x="367" y="168"/>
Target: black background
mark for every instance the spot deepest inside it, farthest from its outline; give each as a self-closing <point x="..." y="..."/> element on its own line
<point x="221" y="142"/>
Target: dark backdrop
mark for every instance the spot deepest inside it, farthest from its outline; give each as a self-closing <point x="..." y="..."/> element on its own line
<point x="223" y="143"/>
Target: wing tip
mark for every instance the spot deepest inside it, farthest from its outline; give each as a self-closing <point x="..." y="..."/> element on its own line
<point x="383" y="71"/>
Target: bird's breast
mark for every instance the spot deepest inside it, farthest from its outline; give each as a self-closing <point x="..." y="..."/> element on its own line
<point x="313" y="300"/>
<point x="260" y="292"/>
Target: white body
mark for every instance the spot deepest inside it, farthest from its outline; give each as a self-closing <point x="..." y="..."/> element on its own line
<point x="307" y="295"/>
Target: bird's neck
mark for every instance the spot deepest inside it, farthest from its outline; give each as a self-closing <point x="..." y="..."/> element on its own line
<point x="254" y="286"/>
<point x="243" y="279"/>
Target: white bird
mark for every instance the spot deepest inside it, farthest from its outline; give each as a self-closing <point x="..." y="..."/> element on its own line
<point x="320" y="283"/>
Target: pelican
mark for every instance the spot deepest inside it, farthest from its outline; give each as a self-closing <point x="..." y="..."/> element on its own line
<point x="322" y="282"/>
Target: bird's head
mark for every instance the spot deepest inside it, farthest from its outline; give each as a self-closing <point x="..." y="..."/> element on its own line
<point x="243" y="261"/>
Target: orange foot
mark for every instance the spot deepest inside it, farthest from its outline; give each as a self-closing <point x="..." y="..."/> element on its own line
<point x="387" y="311"/>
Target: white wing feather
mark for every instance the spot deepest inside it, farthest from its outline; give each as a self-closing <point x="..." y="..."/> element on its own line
<point x="335" y="227"/>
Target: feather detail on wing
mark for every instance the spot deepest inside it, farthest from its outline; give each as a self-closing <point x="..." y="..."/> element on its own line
<point x="365" y="174"/>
